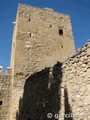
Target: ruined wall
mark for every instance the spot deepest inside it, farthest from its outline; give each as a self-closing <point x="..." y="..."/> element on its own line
<point x="42" y="94"/>
<point x="76" y="79"/>
<point x="42" y="38"/>
<point x="5" y="94"/>
<point x="62" y="89"/>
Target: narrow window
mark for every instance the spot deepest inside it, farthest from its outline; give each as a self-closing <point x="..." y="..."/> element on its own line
<point x="60" y="32"/>
<point x="61" y="46"/>
<point x="30" y="35"/>
<point x="1" y="102"/>
<point x="29" y="19"/>
<point x="50" y="26"/>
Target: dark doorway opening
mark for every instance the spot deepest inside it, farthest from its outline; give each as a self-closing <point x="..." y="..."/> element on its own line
<point x="1" y="102"/>
<point x="60" y="32"/>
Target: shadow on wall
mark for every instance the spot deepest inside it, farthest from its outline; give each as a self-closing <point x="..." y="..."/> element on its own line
<point x="42" y="95"/>
<point x="67" y="107"/>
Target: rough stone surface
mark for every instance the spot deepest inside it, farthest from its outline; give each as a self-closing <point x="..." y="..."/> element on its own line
<point x="37" y="42"/>
<point x="46" y="74"/>
<point x="76" y="75"/>
<point x="5" y="95"/>
<point x="41" y="38"/>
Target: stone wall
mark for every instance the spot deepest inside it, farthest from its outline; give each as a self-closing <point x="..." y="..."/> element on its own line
<point x="41" y="94"/>
<point x="39" y="85"/>
<point x="5" y="94"/>
<point x="62" y="89"/>
<point x="76" y="79"/>
<point x="41" y="38"/>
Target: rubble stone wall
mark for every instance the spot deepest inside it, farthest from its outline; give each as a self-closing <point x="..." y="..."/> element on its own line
<point x="76" y="79"/>
<point x="5" y="95"/>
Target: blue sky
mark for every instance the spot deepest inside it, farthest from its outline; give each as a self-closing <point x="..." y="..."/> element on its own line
<point x="79" y="10"/>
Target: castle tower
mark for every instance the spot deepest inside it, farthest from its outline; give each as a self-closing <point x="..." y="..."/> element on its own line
<point x="41" y="38"/>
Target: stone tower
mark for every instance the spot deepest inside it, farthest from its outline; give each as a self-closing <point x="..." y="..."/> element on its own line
<point x="41" y="79"/>
<point x="41" y="38"/>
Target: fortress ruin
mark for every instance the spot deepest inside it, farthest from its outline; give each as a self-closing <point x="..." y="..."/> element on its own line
<point x="46" y="74"/>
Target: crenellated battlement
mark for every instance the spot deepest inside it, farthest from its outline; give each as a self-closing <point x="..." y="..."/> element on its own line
<point x="5" y="78"/>
<point x="8" y="71"/>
